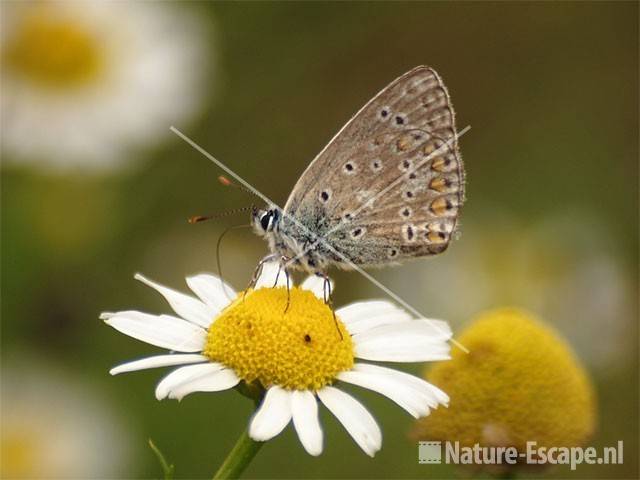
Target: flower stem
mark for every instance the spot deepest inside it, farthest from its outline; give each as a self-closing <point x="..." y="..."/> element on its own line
<point x="239" y="457"/>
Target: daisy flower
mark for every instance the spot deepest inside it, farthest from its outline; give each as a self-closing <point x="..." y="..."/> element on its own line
<point x="299" y="356"/>
<point x="85" y="83"/>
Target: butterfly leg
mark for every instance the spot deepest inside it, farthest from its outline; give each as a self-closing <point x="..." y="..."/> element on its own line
<point x="257" y="272"/>
<point x="328" y="299"/>
<point x="288" y="291"/>
<point x="275" y="282"/>
<point x="283" y="262"/>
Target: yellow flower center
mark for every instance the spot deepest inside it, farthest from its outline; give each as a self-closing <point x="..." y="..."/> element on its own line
<point x="20" y="449"/>
<point x="300" y="349"/>
<point x="53" y="51"/>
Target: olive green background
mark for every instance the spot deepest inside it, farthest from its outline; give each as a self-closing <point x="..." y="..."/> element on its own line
<point x="551" y="93"/>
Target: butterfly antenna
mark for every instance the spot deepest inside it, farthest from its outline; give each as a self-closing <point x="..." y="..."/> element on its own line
<point x="228" y="183"/>
<point x="204" y="218"/>
<point x="219" y="264"/>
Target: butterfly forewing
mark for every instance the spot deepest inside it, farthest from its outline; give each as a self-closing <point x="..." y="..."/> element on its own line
<point x="390" y="184"/>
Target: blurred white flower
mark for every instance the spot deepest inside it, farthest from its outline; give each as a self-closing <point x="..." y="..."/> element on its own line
<point x="55" y="427"/>
<point x="85" y="84"/>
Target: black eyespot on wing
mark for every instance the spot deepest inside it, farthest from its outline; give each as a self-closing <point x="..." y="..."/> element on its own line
<point x="399" y="120"/>
<point x="384" y="112"/>
<point x="356" y="232"/>
<point x="307" y="338"/>
<point x="324" y="196"/>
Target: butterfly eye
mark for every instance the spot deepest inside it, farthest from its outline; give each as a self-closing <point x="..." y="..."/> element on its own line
<point x="265" y="220"/>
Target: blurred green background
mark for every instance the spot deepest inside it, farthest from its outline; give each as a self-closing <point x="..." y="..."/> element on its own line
<point x="551" y="221"/>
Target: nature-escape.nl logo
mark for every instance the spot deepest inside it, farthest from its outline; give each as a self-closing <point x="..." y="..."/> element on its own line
<point x="454" y="453"/>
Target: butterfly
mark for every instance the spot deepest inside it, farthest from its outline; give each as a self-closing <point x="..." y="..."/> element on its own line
<point x="387" y="188"/>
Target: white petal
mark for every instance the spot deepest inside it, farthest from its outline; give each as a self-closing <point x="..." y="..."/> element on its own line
<point x="423" y="387"/>
<point x="354" y="417"/>
<point x="362" y="316"/>
<point x="440" y="396"/>
<point x="184" y="375"/>
<point x="187" y="307"/>
<point x="273" y="415"/>
<point x="439" y="328"/>
<point x="359" y="310"/>
<point x="272" y="275"/>
<point x="316" y="285"/>
<point x="400" y="394"/>
<point x="413" y="341"/>
<point x="211" y="382"/>
<point x="411" y="393"/>
<point x="419" y="327"/>
<point x="212" y="290"/>
<point x="304" y="409"/>
<point x="158" y="361"/>
<point x="160" y="330"/>
<point x="411" y="351"/>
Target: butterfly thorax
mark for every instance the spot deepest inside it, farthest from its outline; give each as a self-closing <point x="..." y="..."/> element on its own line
<point x="298" y="240"/>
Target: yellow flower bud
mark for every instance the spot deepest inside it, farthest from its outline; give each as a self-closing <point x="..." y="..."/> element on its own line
<point x="519" y="382"/>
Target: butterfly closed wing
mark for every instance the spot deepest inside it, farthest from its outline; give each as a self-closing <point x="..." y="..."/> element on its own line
<point x="388" y="187"/>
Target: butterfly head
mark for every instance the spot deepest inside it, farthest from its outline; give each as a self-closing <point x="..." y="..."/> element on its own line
<point x="264" y="221"/>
